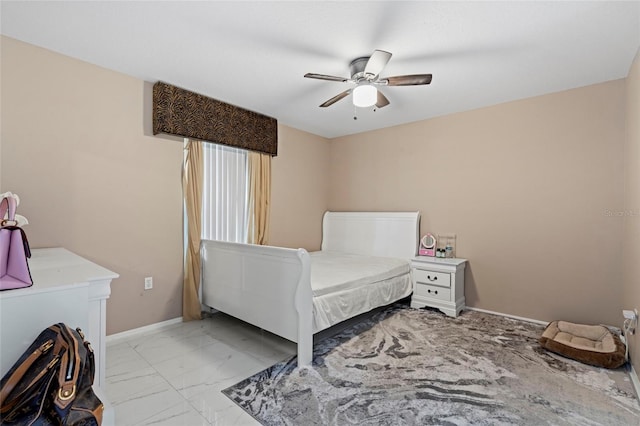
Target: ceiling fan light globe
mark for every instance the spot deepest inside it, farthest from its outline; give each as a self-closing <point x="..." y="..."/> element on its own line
<point x="365" y="95"/>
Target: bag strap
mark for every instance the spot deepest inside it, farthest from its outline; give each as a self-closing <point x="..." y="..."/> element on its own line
<point x="67" y="360"/>
<point x="8" y="204"/>
<point x="19" y="372"/>
<point x="71" y="367"/>
<point x="4" y="206"/>
<point x="59" y="345"/>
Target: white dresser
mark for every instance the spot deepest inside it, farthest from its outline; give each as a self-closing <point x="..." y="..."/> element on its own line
<point x="66" y="288"/>
<point x="438" y="283"/>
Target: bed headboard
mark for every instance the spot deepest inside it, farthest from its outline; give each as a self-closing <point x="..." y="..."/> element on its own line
<point x="388" y="234"/>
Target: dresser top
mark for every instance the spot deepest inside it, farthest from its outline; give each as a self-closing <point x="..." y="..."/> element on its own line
<point x="448" y="261"/>
<point x="57" y="268"/>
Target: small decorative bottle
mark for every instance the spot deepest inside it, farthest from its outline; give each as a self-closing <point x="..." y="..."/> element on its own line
<point x="448" y="251"/>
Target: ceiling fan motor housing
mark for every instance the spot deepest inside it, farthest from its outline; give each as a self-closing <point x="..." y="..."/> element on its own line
<point x="357" y="67"/>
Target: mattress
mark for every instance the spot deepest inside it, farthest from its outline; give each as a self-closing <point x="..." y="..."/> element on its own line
<point x="346" y="285"/>
<point x="333" y="272"/>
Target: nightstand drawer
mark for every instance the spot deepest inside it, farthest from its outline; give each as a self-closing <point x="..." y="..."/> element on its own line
<point x="430" y="277"/>
<point x="433" y="291"/>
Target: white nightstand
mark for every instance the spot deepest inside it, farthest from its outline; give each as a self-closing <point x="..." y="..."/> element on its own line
<point x="438" y="283"/>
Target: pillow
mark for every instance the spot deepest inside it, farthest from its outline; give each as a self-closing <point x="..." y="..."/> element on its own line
<point x="590" y="344"/>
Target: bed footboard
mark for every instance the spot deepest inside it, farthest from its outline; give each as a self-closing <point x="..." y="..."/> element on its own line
<point x="268" y="287"/>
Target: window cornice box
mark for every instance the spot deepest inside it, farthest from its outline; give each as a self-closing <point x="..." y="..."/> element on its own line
<point x="183" y="113"/>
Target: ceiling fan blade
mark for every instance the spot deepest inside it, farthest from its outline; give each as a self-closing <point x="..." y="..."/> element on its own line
<point x="326" y="77"/>
<point x="382" y="100"/>
<point x="336" y="98"/>
<point x="377" y="62"/>
<point x="409" y="80"/>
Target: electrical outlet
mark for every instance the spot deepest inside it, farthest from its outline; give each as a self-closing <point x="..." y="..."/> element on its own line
<point x="631" y="321"/>
<point x="148" y="283"/>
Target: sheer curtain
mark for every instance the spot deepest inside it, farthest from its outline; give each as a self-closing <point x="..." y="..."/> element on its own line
<point x="225" y="194"/>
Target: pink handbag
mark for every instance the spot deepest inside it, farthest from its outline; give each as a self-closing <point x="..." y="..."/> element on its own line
<point x="14" y="249"/>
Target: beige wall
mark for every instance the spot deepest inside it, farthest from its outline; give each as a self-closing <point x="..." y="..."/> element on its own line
<point x="300" y="189"/>
<point x="631" y="248"/>
<point x="90" y="180"/>
<point x="77" y="149"/>
<point x="525" y="186"/>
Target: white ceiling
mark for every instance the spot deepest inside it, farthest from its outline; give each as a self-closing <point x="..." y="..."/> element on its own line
<point x="254" y="54"/>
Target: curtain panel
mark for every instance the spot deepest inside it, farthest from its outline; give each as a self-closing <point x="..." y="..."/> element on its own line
<point x="192" y="179"/>
<point x="259" y="197"/>
<point x="183" y="113"/>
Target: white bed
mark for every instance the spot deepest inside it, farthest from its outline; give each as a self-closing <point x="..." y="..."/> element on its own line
<point x="364" y="263"/>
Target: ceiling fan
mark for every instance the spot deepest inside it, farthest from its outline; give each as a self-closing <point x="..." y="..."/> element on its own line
<point x="365" y="73"/>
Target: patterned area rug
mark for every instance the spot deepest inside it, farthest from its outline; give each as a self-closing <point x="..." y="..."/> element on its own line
<point x="406" y="366"/>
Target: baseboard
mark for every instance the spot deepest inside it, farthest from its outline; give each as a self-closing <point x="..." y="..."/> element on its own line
<point x="636" y="382"/>
<point x="145" y="329"/>
<point x="508" y="316"/>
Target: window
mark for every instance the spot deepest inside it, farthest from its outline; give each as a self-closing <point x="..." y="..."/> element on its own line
<point x="225" y="194"/>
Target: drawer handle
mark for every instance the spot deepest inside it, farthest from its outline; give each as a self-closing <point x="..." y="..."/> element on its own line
<point x="435" y="291"/>
<point x="432" y="279"/>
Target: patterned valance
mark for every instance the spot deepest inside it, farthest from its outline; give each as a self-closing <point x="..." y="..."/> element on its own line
<point x="183" y="113"/>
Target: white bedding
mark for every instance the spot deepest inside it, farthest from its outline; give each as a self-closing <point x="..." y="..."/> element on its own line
<point x="345" y="285"/>
<point x="335" y="271"/>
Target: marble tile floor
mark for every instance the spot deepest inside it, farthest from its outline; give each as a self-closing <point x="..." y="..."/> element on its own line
<point x="173" y="376"/>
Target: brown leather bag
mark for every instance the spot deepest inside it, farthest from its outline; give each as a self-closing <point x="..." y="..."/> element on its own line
<point x="51" y="384"/>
